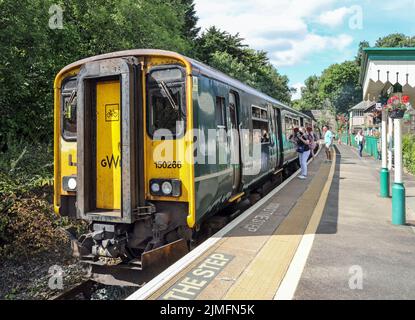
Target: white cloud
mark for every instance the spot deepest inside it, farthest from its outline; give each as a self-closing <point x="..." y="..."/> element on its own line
<point x="298" y="87"/>
<point x="277" y="26"/>
<point x="310" y="44"/>
<point x="335" y="17"/>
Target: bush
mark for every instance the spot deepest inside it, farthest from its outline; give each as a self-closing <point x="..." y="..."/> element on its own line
<point x="408" y="146"/>
<point x="28" y="225"/>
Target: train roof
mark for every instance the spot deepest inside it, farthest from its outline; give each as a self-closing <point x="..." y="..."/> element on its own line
<point x="199" y="66"/>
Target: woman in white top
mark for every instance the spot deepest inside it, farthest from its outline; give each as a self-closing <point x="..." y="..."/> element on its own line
<point x="360" y="140"/>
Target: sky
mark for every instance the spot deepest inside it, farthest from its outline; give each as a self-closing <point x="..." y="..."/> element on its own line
<point x="303" y="37"/>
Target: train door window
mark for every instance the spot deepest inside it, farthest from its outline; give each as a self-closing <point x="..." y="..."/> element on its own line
<point x="220" y="112"/>
<point x="166" y="105"/>
<point x="260" y="125"/>
<point x="69" y="109"/>
<point x="289" y="127"/>
<point x="296" y="123"/>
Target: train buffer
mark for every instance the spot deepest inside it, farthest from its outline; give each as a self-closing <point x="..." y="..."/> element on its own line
<point x="327" y="237"/>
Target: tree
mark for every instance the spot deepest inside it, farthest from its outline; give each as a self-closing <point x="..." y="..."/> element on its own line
<point x="214" y="40"/>
<point x="395" y="40"/>
<point x="230" y="55"/>
<point x="359" y="56"/>
<point x="190" y="29"/>
<point x="339" y="83"/>
<point x="310" y="98"/>
<point x="31" y="53"/>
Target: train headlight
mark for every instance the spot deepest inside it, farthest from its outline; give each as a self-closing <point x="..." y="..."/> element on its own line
<point x="69" y="183"/>
<point x="166" y="187"/>
<point x="155" y="187"/>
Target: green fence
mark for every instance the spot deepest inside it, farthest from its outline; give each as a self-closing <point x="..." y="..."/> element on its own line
<point x="371" y="145"/>
<point x="345" y="138"/>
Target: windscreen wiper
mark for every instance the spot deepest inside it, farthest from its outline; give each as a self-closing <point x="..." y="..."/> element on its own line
<point x="169" y="96"/>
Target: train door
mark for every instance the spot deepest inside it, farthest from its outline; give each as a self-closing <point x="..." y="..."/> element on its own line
<point x="280" y="138"/>
<point x="108" y="135"/>
<point x="275" y="144"/>
<point x="234" y="142"/>
<point x="108" y="145"/>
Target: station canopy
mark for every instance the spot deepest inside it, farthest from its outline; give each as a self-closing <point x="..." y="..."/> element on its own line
<point x="384" y="69"/>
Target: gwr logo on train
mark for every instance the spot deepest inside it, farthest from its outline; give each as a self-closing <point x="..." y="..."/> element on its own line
<point x="109" y="162"/>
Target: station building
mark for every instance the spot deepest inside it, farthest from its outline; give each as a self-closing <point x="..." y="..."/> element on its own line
<point x="385" y="71"/>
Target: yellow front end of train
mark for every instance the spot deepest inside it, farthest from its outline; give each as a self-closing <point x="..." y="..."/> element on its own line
<point x="114" y="165"/>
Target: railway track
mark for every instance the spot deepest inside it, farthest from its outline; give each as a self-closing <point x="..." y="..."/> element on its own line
<point x="81" y="291"/>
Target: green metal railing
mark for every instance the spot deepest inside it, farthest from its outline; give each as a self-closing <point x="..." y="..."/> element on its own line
<point x="371" y="145"/>
<point x="345" y="138"/>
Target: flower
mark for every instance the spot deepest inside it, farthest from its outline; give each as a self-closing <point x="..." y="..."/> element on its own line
<point x="395" y="103"/>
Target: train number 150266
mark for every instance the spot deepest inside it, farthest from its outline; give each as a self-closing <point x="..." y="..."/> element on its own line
<point x="168" y="164"/>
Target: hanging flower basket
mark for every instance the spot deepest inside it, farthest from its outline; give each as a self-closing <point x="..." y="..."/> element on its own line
<point x="397" y="114"/>
<point x="397" y="106"/>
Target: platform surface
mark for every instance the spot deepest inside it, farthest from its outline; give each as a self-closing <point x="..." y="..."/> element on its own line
<point x="356" y="236"/>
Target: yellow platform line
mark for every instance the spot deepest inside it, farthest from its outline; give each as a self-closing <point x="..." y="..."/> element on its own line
<point x="264" y="275"/>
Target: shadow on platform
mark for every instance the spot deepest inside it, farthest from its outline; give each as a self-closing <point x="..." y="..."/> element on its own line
<point x="328" y="222"/>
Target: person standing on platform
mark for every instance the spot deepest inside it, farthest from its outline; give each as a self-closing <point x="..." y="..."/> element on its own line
<point x="328" y="141"/>
<point x="303" y="149"/>
<point x="312" y="138"/>
<point x="360" y="140"/>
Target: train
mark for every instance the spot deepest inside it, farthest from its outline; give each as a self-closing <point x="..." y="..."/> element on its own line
<point x="128" y="161"/>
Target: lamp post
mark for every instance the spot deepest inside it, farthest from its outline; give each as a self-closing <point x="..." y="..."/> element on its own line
<point x="398" y="189"/>
<point x="384" y="172"/>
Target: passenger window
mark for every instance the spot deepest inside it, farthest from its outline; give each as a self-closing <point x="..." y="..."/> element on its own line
<point x="220" y="112"/>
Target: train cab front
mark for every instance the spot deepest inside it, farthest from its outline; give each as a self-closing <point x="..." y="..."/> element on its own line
<point x="120" y="138"/>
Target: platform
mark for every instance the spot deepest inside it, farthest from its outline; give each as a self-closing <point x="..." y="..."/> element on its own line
<point x="304" y="240"/>
<point x="356" y="235"/>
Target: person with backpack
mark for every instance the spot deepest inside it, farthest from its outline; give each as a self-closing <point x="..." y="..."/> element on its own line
<point x="303" y="149"/>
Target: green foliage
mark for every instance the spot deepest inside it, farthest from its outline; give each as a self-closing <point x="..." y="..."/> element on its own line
<point x="339" y="83"/>
<point x="190" y="29"/>
<point x="228" y="54"/>
<point x="395" y="40"/>
<point x="31" y="53"/>
<point x="28" y="224"/>
<point x="310" y="98"/>
<point x="408" y="149"/>
<point x="337" y="89"/>
<point x="359" y="56"/>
